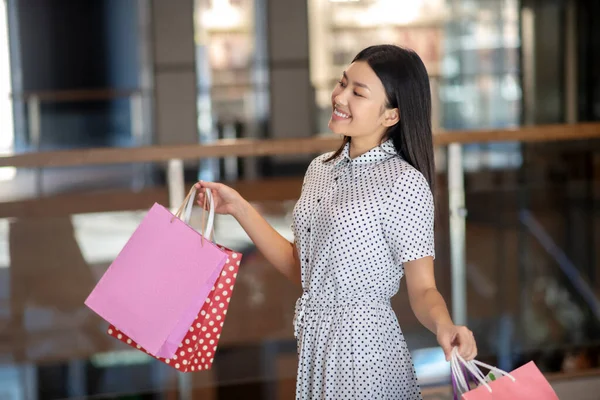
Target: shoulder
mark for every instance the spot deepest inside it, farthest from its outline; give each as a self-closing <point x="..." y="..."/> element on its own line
<point x="322" y="159"/>
<point x="321" y="163"/>
<point x="408" y="179"/>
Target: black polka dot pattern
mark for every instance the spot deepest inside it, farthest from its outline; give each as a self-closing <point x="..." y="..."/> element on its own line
<point x="356" y="222"/>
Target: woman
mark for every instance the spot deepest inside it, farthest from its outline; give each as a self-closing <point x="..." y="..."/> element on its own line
<point x="364" y="220"/>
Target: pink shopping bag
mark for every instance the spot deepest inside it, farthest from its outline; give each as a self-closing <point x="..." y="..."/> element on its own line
<point x="529" y="384"/>
<point x="160" y="280"/>
<point x="524" y="383"/>
<point x="197" y="350"/>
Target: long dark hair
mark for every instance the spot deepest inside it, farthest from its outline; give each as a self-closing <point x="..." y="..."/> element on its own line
<point x="406" y="84"/>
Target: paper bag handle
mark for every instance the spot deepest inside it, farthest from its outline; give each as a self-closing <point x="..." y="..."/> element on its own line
<point x="185" y="210"/>
<point x="475" y="372"/>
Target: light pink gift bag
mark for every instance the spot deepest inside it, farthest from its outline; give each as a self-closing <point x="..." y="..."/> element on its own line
<point x="524" y="383"/>
<point x="155" y="287"/>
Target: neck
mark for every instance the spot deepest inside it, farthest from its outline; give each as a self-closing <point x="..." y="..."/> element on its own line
<point x="359" y="146"/>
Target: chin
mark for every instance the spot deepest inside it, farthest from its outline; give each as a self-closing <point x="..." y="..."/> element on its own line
<point x="336" y="128"/>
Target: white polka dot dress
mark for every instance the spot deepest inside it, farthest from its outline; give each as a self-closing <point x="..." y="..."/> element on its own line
<point x="355" y="224"/>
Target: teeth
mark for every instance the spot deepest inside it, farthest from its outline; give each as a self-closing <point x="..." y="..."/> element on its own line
<point x="340" y="114"/>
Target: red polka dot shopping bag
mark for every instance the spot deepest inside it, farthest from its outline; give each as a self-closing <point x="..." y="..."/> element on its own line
<point x="168" y="290"/>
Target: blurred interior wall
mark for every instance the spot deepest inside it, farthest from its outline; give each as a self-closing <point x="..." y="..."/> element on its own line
<point x="588" y="57"/>
<point x="59" y="45"/>
<point x="175" y="112"/>
<point x="292" y="96"/>
<point x="561" y="61"/>
<point x="561" y="83"/>
<point x="543" y="61"/>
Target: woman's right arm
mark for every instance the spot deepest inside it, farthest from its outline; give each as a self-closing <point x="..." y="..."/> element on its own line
<point x="275" y="248"/>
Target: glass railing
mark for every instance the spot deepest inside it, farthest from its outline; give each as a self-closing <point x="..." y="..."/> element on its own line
<point x="532" y="262"/>
<point x="531" y="270"/>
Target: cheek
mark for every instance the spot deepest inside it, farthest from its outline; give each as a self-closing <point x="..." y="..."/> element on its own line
<point x="366" y="118"/>
<point x="361" y="111"/>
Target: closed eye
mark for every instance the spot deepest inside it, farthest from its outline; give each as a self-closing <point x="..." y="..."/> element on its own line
<point x="344" y="85"/>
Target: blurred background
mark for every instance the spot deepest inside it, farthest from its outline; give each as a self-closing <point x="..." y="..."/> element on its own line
<point x="107" y="106"/>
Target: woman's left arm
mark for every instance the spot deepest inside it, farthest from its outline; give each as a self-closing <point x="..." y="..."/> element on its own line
<point x="408" y="225"/>
<point x="430" y="309"/>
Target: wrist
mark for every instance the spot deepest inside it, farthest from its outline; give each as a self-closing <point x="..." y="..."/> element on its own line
<point x="240" y="209"/>
<point x="443" y="324"/>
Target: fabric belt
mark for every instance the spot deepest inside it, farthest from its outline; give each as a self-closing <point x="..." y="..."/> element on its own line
<point x="307" y="301"/>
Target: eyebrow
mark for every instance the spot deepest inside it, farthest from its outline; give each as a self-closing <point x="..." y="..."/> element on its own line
<point x="362" y="85"/>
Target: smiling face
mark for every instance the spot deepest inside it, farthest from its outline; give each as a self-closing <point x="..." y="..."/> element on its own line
<point x="359" y="105"/>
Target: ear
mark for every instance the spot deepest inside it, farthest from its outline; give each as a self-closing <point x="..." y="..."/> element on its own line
<point x="391" y="117"/>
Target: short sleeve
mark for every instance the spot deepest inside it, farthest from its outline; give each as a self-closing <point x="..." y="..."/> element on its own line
<point x="409" y="218"/>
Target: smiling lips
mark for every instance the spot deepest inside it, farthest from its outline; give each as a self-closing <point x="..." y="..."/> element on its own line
<point x="340" y="115"/>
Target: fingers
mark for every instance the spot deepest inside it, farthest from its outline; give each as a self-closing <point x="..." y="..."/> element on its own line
<point x="201" y="195"/>
<point x="201" y="200"/>
<point x="467" y="347"/>
<point x="209" y="185"/>
<point x="446" y="344"/>
<point x="446" y="338"/>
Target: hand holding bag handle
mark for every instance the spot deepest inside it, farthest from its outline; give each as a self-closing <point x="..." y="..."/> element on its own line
<point x="185" y="211"/>
<point x="471" y="366"/>
<point x="460" y="385"/>
<point x="460" y="379"/>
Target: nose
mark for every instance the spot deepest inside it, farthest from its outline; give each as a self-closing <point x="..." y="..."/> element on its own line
<point x="340" y="99"/>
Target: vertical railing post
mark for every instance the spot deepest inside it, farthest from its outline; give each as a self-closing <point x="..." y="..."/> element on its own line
<point x="571" y="85"/>
<point x="458" y="213"/>
<point x="136" y="115"/>
<point x="35" y="136"/>
<point x="175" y="183"/>
<point x="230" y="164"/>
<point x="185" y="387"/>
